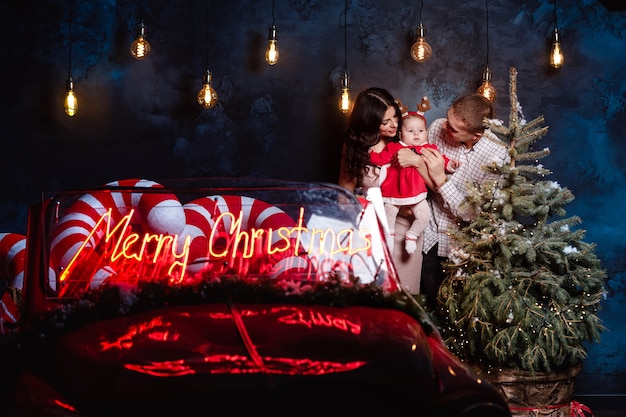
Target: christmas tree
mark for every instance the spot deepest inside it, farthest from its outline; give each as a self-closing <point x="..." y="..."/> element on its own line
<point x="523" y="289"/>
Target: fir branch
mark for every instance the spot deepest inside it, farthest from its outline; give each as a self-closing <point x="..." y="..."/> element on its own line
<point x="527" y="156"/>
<point x="498" y="129"/>
<point x="535" y="125"/>
<point x="524" y="140"/>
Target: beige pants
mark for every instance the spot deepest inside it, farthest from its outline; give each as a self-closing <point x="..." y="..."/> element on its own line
<point x="409" y="266"/>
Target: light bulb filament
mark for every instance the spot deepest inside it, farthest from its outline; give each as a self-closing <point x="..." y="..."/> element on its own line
<point x="486" y="89"/>
<point x="140" y="48"/>
<point x="344" y="101"/>
<point x="421" y="50"/>
<point x="556" y="53"/>
<point x="271" y="53"/>
<point x="71" y="102"/>
<point x="207" y="96"/>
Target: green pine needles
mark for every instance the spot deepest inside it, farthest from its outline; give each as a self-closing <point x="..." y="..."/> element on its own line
<point x="523" y="289"/>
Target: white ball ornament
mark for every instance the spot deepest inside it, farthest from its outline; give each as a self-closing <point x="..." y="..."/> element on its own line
<point x="162" y="216"/>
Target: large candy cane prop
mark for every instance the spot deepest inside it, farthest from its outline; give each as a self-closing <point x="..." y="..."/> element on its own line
<point x="12" y="258"/>
<point x="205" y="220"/>
<point x="12" y="255"/>
<point x="158" y="212"/>
<point x="82" y="229"/>
<point x="200" y="216"/>
<point x="255" y="214"/>
<point x="9" y="313"/>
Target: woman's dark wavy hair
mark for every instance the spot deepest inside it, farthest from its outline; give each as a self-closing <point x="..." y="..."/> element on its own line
<point x="363" y="127"/>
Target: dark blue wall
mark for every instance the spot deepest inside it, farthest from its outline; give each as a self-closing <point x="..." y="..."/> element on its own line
<point x="141" y="119"/>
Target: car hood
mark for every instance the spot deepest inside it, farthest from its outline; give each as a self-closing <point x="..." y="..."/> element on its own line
<point x="220" y="348"/>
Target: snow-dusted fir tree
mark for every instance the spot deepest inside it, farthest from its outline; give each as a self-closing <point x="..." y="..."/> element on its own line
<point x="523" y="289"/>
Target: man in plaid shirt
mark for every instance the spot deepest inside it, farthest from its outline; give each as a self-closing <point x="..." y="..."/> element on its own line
<point x="461" y="136"/>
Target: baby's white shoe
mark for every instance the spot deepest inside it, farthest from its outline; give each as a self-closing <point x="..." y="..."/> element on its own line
<point x="410" y="242"/>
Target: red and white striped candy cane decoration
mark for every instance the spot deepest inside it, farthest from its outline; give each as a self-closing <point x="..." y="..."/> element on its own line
<point x="75" y="225"/>
<point x="258" y="214"/>
<point x="12" y="256"/>
<point x="156" y="212"/>
<point x="159" y="213"/>
<point x="200" y="215"/>
<point x="12" y="262"/>
<point x="9" y="312"/>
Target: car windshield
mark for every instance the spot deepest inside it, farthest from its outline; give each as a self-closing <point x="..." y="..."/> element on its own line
<point x="185" y="231"/>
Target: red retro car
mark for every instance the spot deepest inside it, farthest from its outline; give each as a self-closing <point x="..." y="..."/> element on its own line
<point x="227" y="296"/>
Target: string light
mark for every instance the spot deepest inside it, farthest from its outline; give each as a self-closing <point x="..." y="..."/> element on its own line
<point x="71" y="101"/>
<point x="556" y="53"/>
<point x="207" y="96"/>
<point x="421" y="51"/>
<point x="486" y="89"/>
<point x="140" y="48"/>
<point x="344" y="101"/>
<point x="271" y="53"/>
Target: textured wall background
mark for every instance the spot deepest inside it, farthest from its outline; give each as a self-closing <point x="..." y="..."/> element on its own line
<point x="141" y="119"/>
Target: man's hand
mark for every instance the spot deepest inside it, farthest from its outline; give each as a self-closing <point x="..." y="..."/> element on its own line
<point x="435" y="166"/>
<point x="406" y="158"/>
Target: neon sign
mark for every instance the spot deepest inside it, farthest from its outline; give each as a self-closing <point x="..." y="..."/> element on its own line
<point x="130" y="254"/>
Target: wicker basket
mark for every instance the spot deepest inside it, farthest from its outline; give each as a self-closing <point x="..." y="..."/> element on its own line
<point x="537" y="395"/>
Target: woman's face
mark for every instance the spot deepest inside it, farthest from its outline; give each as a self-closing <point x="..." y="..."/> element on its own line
<point x="389" y="125"/>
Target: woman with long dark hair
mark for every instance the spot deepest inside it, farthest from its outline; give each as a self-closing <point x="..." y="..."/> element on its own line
<point x="374" y="121"/>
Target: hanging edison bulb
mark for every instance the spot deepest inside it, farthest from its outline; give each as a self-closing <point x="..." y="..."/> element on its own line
<point x="140" y="48"/>
<point x="556" y="53"/>
<point x="421" y="50"/>
<point x="207" y="96"/>
<point x="344" y="101"/>
<point x="271" y="53"/>
<point x="486" y="89"/>
<point x="71" y="102"/>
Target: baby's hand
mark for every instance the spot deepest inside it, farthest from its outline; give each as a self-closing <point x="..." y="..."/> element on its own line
<point x="406" y="157"/>
<point x="455" y="164"/>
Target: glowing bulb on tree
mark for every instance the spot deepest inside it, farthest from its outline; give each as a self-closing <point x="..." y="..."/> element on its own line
<point x="207" y="96"/>
<point x="421" y="50"/>
<point x="271" y="53"/>
<point x="71" y="102"/>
